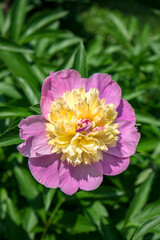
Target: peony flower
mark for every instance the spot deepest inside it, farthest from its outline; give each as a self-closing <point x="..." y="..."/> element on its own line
<point x="86" y="130"/>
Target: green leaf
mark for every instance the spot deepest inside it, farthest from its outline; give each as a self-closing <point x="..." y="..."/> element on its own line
<point x="96" y="212"/>
<point x="101" y="193"/>
<point x="133" y="95"/>
<point x="146" y="227"/>
<point x="7" y="45"/>
<point x="146" y="119"/>
<point x="9" y="90"/>
<point x="62" y="44"/>
<point x="29" y="220"/>
<point x="26" y="183"/>
<point x="41" y="21"/>
<point x="47" y="34"/>
<point x="1" y="18"/>
<point x="13" y="212"/>
<point x="36" y="109"/>
<point x="109" y="230"/>
<point x="68" y="63"/>
<point x="10" y="137"/>
<point x="140" y="199"/>
<point x="19" y="13"/>
<point x="14" y="230"/>
<point x="21" y="68"/>
<point x="9" y="112"/>
<point x="31" y="93"/>
<point x="48" y="195"/>
<point x="151" y="210"/>
<point x="7" y="22"/>
<point x="120" y="26"/>
<point x="80" y="63"/>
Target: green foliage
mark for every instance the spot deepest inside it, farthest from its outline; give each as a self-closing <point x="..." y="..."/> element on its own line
<point x="33" y="43"/>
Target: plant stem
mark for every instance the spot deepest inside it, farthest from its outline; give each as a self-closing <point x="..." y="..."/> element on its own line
<point x="48" y="223"/>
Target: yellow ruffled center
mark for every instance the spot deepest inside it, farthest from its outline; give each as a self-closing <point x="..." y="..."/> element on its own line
<point x="81" y="126"/>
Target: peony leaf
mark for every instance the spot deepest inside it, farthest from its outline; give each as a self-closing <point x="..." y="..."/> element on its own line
<point x="26" y="183"/>
<point x="80" y="63"/>
<point x="19" y="12"/>
<point x="140" y="198"/>
<point x="146" y="227"/>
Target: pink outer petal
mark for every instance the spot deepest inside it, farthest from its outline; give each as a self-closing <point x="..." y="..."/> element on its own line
<point x="86" y="177"/>
<point x="31" y="126"/>
<point x="126" y="112"/>
<point x="25" y="148"/>
<point x="108" y="89"/>
<point x="45" y="170"/>
<point x="113" y="165"/>
<point x="128" y="140"/>
<point x="68" y="184"/>
<point x="40" y="144"/>
<point x="46" y="86"/>
<point x="66" y="80"/>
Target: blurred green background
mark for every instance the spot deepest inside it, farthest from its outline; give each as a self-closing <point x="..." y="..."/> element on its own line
<point x="121" y="38"/>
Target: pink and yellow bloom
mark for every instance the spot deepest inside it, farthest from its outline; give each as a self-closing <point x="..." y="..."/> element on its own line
<point x="86" y="130"/>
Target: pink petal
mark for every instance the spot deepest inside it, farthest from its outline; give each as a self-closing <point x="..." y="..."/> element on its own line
<point x="66" y="80"/>
<point x="126" y="112"/>
<point x="112" y="93"/>
<point x="99" y="81"/>
<point x="40" y="144"/>
<point x="67" y="183"/>
<point x="31" y="126"/>
<point x="87" y="177"/>
<point x="113" y="165"/>
<point x="45" y="170"/>
<point x="46" y="86"/>
<point x="108" y="89"/>
<point x="45" y="106"/>
<point x="25" y="148"/>
<point x="128" y="140"/>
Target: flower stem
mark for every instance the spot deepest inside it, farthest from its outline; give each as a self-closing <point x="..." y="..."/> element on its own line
<point x="48" y="223"/>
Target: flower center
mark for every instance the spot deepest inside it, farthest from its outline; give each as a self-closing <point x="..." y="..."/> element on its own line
<point x="81" y="126"/>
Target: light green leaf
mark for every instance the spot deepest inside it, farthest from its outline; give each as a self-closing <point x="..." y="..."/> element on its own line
<point x="10" y="138"/>
<point x="13" y="212"/>
<point x="146" y="227"/>
<point x="21" y="68"/>
<point x="121" y="27"/>
<point x="42" y="21"/>
<point x="36" y="109"/>
<point x="48" y="195"/>
<point x="96" y="212"/>
<point x="62" y="44"/>
<point x="29" y="220"/>
<point x="9" y="112"/>
<point x="26" y="183"/>
<point x="19" y="13"/>
<point x="9" y="90"/>
<point x="133" y="95"/>
<point x="68" y="63"/>
<point x="139" y="199"/>
<point x="1" y="18"/>
<point x="80" y="62"/>
<point x="7" y="22"/>
<point x="147" y="119"/>
<point x="12" y="47"/>
<point x="50" y="34"/>
<point x="31" y="93"/>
